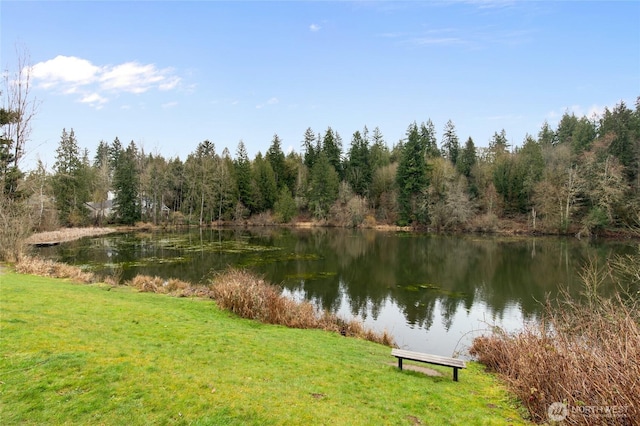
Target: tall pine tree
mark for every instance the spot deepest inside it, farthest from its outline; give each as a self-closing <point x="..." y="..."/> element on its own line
<point x="358" y="172"/>
<point x="70" y="186"/>
<point x="411" y="176"/>
<point x="450" y="143"/>
<point x="126" y="182"/>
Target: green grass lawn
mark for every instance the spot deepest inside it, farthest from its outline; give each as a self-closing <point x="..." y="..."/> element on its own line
<point x="92" y="354"/>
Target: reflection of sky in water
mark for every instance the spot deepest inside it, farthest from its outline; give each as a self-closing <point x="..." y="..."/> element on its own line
<point x="437" y="340"/>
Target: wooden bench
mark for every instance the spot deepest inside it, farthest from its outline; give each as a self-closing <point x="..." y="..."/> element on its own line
<point x="430" y="359"/>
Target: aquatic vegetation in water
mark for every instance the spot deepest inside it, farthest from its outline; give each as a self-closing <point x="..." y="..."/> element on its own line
<point x="418" y="287"/>
<point x="267" y="258"/>
<point x="226" y="246"/>
<point x="435" y="289"/>
<point x="310" y="276"/>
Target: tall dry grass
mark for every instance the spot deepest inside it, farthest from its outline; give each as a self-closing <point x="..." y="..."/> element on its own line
<point x="50" y="268"/>
<point x="171" y="286"/>
<point x="584" y="353"/>
<point x="251" y="297"/>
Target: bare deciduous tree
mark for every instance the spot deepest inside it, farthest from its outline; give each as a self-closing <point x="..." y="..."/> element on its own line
<point x="19" y="99"/>
<point x="18" y="109"/>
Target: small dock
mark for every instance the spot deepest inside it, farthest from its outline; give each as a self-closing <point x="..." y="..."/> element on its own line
<point x="46" y="244"/>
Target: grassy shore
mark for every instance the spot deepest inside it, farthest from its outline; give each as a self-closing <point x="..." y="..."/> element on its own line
<point x="96" y="354"/>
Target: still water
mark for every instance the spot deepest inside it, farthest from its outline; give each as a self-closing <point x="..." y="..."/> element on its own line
<point x="433" y="293"/>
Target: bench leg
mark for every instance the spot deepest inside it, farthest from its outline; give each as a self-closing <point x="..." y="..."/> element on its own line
<point x="455" y="374"/>
<point x="400" y="363"/>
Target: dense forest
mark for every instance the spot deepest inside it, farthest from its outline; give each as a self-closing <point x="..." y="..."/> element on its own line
<point x="581" y="177"/>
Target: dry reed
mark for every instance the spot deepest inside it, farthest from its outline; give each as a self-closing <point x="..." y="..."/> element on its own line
<point x="171" y="286"/>
<point x="585" y="354"/>
<point x="251" y="297"/>
<point x="50" y="268"/>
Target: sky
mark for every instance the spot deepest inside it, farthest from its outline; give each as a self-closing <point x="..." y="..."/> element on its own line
<point x="169" y="75"/>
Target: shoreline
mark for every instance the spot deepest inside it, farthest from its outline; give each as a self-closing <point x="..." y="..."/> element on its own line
<point x="66" y="234"/>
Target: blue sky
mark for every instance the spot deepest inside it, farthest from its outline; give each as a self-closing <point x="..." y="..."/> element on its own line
<point x="169" y="75"/>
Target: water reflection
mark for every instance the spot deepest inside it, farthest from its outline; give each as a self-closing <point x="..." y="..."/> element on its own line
<point x="431" y="292"/>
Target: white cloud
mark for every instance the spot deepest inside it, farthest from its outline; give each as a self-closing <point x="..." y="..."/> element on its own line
<point x="130" y="77"/>
<point x="271" y="101"/>
<point x="94" y="100"/>
<point x="95" y="84"/>
<point x="314" y="27"/>
<point x="65" y="70"/>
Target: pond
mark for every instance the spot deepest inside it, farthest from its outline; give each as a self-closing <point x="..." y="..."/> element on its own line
<point x="433" y="293"/>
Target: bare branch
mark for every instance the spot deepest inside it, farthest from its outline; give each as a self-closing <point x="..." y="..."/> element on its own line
<point x="19" y="100"/>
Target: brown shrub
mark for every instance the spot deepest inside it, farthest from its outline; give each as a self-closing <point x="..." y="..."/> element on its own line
<point x="583" y="353"/>
<point x="146" y="283"/>
<point x="49" y="268"/>
<point x="251" y="297"/>
<point x="15" y="227"/>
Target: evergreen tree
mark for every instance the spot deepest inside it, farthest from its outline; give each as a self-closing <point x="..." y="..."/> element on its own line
<point x="126" y="182"/>
<point x="411" y="176"/>
<point x="379" y="153"/>
<point x="566" y="128"/>
<point x="285" y="206"/>
<point x="115" y="150"/>
<point x="546" y="136"/>
<point x="428" y="139"/>
<point x="498" y="145"/>
<point x="102" y="154"/>
<point x="358" y="165"/>
<point x="332" y="148"/>
<point x="275" y="157"/>
<point x="467" y="158"/>
<point x="309" y="148"/>
<point x="70" y="186"/>
<point x="623" y="125"/>
<point x="531" y="165"/>
<point x="516" y="175"/>
<point x="264" y="184"/>
<point x="450" y="143"/>
<point x="9" y="173"/>
<point x="242" y="167"/>
<point x="583" y="135"/>
<point x="324" y="186"/>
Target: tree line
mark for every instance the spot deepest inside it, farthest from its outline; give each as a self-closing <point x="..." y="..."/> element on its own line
<point x="583" y="176"/>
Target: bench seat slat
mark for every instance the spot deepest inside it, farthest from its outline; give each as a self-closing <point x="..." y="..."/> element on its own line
<point x="431" y="359"/>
